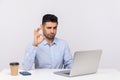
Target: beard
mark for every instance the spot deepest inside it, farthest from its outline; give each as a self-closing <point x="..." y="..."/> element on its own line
<point x="49" y="36"/>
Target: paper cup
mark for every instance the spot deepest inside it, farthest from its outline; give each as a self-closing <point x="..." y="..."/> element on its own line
<point x="14" y="68"/>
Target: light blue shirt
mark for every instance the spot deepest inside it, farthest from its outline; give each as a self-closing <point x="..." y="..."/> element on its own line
<point x="54" y="56"/>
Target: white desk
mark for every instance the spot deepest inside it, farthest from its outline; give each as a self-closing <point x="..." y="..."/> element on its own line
<point x="47" y="74"/>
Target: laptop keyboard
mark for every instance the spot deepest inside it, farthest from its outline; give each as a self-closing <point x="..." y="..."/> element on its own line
<point x="66" y="72"/>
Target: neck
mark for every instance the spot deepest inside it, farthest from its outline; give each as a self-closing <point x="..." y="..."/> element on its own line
<point x="50" y="41"/>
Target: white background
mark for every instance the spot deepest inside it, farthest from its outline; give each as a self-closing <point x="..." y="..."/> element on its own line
<point x="84" y="24"/>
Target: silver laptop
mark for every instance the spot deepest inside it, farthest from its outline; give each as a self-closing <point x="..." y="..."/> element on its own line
<point x="84" y="62"/>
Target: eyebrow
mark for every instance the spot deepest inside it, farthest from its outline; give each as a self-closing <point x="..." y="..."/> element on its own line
<point x="51" y="27"/>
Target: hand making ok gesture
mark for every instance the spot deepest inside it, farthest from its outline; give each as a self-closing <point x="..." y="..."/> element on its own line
<point x="38" y="36"/>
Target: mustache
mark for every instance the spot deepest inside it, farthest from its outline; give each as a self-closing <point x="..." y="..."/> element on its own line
<point x="52" y="33"/>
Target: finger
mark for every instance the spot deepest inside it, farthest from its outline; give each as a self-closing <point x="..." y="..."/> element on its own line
<point x="38" y="29"/>
<point x="35" y="31"/>
<point x="40" y="26"/>
<point x="38" y="35"/>
<point x="43" y="37"/>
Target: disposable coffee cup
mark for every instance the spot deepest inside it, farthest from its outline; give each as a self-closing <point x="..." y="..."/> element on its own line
<point x="14" y="68"/>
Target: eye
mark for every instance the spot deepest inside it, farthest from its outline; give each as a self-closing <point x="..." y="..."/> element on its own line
<point x="48" y="27"/>
<point x="55" y="27"/>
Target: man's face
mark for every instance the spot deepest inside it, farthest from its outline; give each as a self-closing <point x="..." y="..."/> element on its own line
<point x="49" y="30"/>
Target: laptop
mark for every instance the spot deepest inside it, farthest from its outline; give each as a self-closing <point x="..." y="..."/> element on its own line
<point x="84" y="63"/>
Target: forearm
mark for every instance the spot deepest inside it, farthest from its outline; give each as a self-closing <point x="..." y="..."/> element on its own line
<point x="67" y="57"/>
<point x="68" y="62"/>
<point x="29" y="57"/>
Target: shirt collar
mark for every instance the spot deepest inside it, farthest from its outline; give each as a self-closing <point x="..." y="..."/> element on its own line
<point x="53" y="43"/>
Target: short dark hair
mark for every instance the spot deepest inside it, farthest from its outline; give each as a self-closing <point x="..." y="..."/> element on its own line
<point x="49" y="18"/>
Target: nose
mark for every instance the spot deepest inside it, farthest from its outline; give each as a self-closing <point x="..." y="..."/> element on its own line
<point x="52" y="30"/>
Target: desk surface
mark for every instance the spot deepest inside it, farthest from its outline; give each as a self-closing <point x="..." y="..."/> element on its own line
<point x="47" y="74"/>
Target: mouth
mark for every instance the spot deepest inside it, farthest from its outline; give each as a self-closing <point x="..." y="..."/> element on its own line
<point x="51" y="35"/>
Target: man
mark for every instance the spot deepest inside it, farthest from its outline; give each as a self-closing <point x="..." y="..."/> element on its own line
<point x="47" y="51"/>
